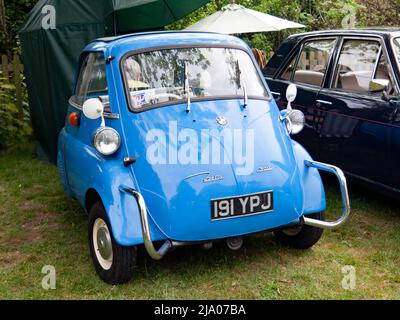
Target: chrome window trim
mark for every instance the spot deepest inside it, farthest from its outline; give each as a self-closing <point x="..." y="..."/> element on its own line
<point x="107" y="115"/>
<point x="397" y="36"/>
<point x="380" y="55"/>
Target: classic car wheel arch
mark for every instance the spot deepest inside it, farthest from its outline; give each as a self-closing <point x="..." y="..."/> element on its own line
<point x="123" y="215"/>
<point x="91" y="197"/>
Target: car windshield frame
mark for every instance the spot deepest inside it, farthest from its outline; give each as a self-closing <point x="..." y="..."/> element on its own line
<point x="132" y="53"/>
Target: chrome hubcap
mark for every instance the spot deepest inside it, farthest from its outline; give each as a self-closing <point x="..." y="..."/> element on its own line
<point x="104" y="243"/>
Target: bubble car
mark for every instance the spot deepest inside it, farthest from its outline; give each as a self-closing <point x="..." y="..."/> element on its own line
<point x="173" y="139"/>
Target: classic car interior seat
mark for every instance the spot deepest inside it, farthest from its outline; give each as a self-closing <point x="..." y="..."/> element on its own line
<point x="355" y="81"/>
<point x="309" y="77"/>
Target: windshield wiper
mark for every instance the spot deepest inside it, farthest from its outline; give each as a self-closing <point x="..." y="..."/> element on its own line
<point x="246" y="97"/>
<point x="187" y="87"/>
<point x="242" y="85"/>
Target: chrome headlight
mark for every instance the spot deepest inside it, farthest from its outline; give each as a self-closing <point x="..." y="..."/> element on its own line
<point x="294" y="120"/>
<point x="107" y="141"/>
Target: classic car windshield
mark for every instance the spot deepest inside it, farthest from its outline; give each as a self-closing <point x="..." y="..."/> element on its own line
<point x="158" y="77"/>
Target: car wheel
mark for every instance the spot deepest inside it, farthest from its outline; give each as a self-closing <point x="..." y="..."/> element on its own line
<point x="302" y="237"/>
<point x="113" y="263"/>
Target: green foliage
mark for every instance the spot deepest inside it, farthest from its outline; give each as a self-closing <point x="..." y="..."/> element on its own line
<point x="12" y="129"/>
<point x="15" y="15"/>
<point x="379" y="13"/>
<point x="315" y="14"/>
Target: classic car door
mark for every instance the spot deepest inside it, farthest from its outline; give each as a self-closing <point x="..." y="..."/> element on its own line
<point x="395" y="150"/>
<point x="352" y="122"/>
<point x="307" y="69"/>
<point x="91" y="83"/>
<point x="395" y="132"/>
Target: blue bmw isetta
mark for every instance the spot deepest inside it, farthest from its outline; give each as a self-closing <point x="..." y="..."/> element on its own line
<point x="173" y="139"/>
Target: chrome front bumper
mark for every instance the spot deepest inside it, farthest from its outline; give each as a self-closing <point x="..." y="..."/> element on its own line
<point x="144" y="220"/>
<point x="168" y="245"/>
<point x="345" y="197"/>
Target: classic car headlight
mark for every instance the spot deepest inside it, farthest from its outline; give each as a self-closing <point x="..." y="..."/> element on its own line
<point x="295" y="121"/>
<point x="107" y="141"/>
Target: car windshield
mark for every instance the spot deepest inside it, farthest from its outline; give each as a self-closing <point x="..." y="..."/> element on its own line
<point x="158" y="77"/>
<point x="397" y="49"/>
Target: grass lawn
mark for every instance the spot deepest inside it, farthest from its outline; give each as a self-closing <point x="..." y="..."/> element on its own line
<point x="40" y="226"/>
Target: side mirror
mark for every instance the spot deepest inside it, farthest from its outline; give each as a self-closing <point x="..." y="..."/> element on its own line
<point x="294" y="120"/>
<point x="379" y="85"/>
<point x="291" y="94"/>
<point x="94" y="109"/>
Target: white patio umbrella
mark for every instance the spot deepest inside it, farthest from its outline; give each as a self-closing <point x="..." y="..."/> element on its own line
<point x="236" y="19"/>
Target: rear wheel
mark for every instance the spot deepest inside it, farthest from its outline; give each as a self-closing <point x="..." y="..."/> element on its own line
<point x="302" y="237"/>
<point x="113" y="263"/>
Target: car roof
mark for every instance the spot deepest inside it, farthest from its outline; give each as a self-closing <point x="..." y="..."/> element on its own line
<point x="377" y="31"/>
<point x="139" y="34"/>
<point x="164" y="39"/>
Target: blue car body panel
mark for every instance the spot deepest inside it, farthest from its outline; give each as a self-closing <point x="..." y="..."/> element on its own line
<point x="177" y="197"/>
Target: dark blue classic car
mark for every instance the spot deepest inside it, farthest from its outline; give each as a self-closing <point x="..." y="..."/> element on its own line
<point x="348" y="89"/>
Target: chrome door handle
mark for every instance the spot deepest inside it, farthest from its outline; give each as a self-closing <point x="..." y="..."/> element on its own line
<point x="324" y="102"/>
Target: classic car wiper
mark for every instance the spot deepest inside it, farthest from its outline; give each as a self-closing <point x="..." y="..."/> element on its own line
<point x="242" y="84"/>
<point x="187" y="87"/>
<point x="246" y="97"/>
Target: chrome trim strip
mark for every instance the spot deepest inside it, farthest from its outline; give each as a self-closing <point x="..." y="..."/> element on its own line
<point x="324" y="102"/>
<point x="378" y="60"/>
<point x="345" y="197"/>
<point x="148" y="243"/>
<point x="107" y="115"/>
<point x="197" y="175"/>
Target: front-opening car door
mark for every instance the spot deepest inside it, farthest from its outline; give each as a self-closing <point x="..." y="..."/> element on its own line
<point x="354" y="122"/>
<point x="91" y="83"/>
<point x="307" y="69"/>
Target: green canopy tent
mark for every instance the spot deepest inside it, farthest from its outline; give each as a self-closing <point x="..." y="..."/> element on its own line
<point x="50" y="55"/>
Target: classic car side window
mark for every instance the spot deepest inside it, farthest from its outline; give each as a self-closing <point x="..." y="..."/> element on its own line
<point x="356" y="65"/>
<point x="287" y="74"/>
<point x="312" y="63"/>
<point x="92" y="81"/>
